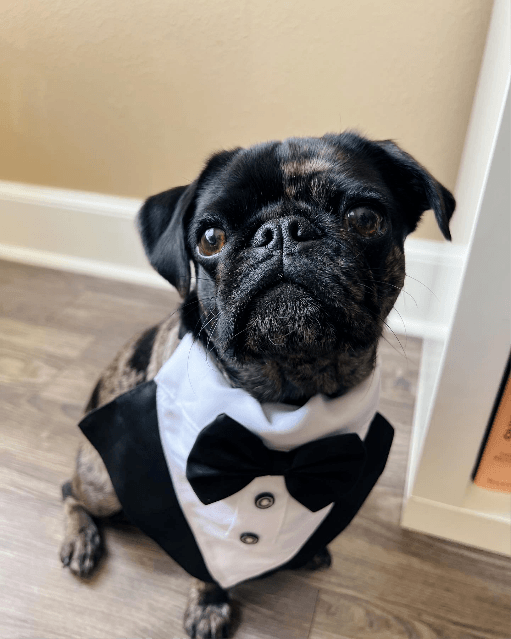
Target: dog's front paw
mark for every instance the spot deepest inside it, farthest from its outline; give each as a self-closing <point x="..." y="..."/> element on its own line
<point x="208" y="614"/>
<point x="82" y="546"/>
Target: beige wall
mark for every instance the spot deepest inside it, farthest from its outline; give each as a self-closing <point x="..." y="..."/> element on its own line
<point x="128" y="96"/>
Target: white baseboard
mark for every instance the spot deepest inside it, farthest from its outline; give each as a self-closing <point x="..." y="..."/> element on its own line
<point x="465" y="525"/>
<point x="74" y="231"/>
<point x="95" y="234"/>
<point x="82" y="265"/>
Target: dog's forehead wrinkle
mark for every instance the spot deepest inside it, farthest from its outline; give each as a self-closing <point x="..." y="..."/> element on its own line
<point x="283" y="208"/>
<point x="257" y="182"/>
<point x="292" y="148"/>
<point x="304" y="156"/>
<point x="305" y="166"/>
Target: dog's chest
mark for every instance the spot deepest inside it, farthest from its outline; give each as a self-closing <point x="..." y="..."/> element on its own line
<point x="262" y="526"/>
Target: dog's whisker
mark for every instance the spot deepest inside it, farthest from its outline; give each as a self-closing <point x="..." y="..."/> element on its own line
<point x="208" y="323"/>
<point x="404" y="352"/>
<point x="416" y="280"/>
<point x="211" y="334"/>
<point x="178" y="309"/>
<point x="239" y="333"/>
<point x="404" y="326"/>
<point x="194" y="339"/>
<point x="373" y="372"/>
<point x="402" y="290"/>
<point x="391" y="345"/>
<point x="397" y="338"/>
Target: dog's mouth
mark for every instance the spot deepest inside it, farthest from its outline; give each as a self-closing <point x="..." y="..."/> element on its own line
<point x="286" y="319"/>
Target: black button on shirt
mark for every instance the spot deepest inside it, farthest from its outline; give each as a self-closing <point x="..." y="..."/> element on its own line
<point x="249" y="538"/>
<point x="264" y="500"/>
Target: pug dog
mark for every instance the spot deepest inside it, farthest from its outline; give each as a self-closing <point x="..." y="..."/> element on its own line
<point x="288" y="256"/>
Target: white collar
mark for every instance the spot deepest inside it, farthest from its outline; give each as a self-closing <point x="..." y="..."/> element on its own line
<point x="193" y="381"/>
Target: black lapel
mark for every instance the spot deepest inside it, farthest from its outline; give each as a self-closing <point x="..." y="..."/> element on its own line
<point x="125" y="433"/>
<point x="378" y="442"/>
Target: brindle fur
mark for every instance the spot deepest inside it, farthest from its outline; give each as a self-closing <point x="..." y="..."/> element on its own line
<point x="90" y="490"/>
<point x="283" y="337"/>
<point x="208" y="612"/>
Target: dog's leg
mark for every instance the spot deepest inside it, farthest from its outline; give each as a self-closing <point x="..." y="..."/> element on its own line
<point x="90" y="493"/>
<point x="322" y="559"/>
<point x="208" y="614"/>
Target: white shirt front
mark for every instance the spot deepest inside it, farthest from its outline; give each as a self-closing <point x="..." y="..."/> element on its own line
<point x="191" y="393"/>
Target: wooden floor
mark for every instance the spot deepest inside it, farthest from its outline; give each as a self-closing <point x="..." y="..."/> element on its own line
<point x="57" y="331"/>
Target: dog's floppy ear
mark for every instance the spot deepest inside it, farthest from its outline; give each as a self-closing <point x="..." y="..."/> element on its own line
<point x="161" y="225"/>
<point x="417" y="188"/>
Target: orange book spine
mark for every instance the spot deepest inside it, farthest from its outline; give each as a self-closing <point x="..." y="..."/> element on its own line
<point x="494" y="470"/>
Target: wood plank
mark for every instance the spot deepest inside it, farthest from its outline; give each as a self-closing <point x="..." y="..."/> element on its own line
<point x="348" y="616"/>
<point x="109" y="312"/>
<point x="42" y="339"/>
<point x="25" y="369"/>
<point x="74" y="383"/>
<point x="277" y="607"/>
<point x="138" y="592"/>
<point x="376" y="560"/>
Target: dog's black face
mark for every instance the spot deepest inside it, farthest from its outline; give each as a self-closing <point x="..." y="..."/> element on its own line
<point x="298" y="250"/>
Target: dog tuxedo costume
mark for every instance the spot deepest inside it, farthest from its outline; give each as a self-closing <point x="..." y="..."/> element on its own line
<point x="230" y="488"/>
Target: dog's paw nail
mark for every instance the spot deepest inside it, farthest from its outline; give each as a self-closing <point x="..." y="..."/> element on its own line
<point x="66" y="553"/>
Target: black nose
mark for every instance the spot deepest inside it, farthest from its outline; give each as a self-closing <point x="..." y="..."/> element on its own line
<point x="286" y="231"/>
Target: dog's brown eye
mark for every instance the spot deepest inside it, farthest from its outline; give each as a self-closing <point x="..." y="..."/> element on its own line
<point x="364" y="221"/>
<point x="212" y="242"/>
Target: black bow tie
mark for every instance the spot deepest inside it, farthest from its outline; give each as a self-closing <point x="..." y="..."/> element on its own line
<point x="226" y="457"/>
